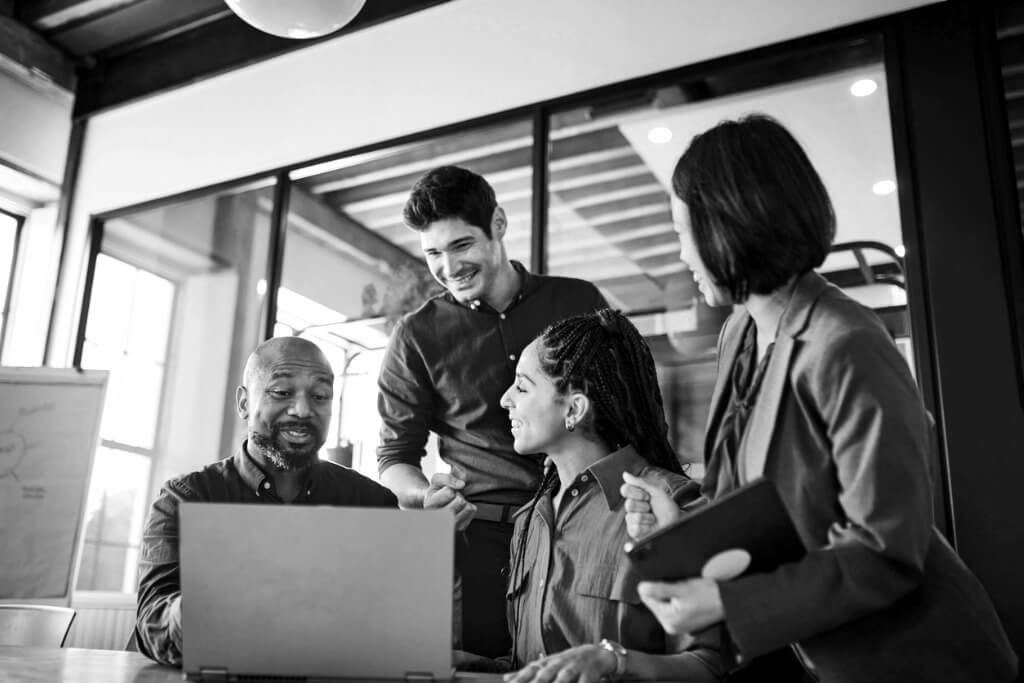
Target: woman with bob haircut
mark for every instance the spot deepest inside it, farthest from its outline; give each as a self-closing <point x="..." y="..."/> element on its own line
<point x="586" y="394"/>
<point x="813" y="394"/>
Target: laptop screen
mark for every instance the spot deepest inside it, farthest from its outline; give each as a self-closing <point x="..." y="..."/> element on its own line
<point x="281" y="590"/>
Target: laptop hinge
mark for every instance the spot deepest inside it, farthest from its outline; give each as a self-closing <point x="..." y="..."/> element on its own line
<point x="419" y="677"/>
<point x="213" y="673"/>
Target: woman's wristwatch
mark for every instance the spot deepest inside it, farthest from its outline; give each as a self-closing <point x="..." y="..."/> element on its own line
<point x="620" y="657"/>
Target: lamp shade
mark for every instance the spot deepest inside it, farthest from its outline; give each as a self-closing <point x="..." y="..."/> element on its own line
<point x="296" y="18"/>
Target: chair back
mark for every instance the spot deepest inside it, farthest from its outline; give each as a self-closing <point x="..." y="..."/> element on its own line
<point x="35" y="625"/>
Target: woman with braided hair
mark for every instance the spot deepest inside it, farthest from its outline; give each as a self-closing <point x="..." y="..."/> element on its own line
<point x="586" y="395"/>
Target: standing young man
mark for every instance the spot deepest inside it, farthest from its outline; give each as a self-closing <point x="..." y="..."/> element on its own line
<point x="445" y="369"/>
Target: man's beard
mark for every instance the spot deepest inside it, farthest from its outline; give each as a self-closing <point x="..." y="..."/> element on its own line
<point x="287" y="459"/>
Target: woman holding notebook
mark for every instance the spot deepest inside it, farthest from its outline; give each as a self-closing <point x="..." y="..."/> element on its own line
<point x="813" y="394"/>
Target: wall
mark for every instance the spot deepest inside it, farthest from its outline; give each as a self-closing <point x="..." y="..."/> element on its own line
<point x="200" y="377"/>
<point x="327" y="275"/>
<point x="35" y="125"/>
<point x="450" y="63"/>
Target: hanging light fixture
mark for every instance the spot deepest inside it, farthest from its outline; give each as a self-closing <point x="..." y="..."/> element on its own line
<point x="296" y="18"/>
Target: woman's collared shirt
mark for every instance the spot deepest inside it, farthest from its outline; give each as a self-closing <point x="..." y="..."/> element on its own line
<point x="571" y="583"/>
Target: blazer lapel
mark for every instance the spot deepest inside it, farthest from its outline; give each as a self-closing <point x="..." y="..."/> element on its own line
<point x="757" y="439"/>
<point x="758" y="435"/>
<point x="732" y="335"/>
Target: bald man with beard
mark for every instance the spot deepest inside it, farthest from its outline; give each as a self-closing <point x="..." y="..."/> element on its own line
<point x="285" y="398"/>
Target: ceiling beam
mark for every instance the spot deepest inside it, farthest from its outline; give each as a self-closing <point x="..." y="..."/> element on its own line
<point x="27" y="54"/>
<point x="110" y="34"/>
<point x="47" y="15"/>
<point x="208" y="50"/>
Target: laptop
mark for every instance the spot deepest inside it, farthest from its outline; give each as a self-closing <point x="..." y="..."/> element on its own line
<point x="316" y="592"/>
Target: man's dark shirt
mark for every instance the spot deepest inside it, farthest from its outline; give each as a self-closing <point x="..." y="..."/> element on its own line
<point x="237" y="479"/>
<point x="445" y="369"/>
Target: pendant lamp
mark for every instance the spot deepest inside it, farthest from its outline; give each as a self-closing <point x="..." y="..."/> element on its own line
<point x="296" y="18"/>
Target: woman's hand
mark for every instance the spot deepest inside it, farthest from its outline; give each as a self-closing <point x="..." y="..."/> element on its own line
<point x="683" y="606"/>
<point x="585" y="664"/>
<point x="467" y="661"/>
<point x="649" y="506"/>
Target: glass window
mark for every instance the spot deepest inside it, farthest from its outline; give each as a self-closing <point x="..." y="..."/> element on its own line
<point x="115" y="512"/>
<point x="124" y="298"/>
<point x="610" y="167"/>
<point x="176" y="305"/>
<point x="352" y="268"/>
<point x="29" y="286"/>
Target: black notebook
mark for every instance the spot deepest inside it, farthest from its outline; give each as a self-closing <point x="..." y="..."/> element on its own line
<point x="746" y="531"/>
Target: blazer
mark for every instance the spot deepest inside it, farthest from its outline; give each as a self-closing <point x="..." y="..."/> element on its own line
<point x="840" y="428"/>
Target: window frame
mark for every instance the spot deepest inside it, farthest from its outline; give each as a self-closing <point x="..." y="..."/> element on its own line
<point x="8" y="297"/>
<point x="153" y="453"/>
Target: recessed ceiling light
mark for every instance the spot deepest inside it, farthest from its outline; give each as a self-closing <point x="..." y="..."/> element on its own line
<point x="863" y="87"/>
<point x="884" y="187"/>
<point x="659" y="135"/>
<point x="900" y="250"/>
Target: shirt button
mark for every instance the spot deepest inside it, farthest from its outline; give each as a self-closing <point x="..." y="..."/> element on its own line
<point x="511" y="356"/>
<point x="584" y="478"/>
<point x="266" y="485"/>
<point x="501" y="315"/>
<point x="575" y="492"/>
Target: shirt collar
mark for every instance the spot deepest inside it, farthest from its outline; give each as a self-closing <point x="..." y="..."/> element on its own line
<point x="608" y="472"/>
<point x="527" y="283"/>
<point x="257" y="479"/>
<point x="250" y="472"/>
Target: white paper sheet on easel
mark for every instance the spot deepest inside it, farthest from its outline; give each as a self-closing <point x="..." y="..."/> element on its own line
<point x="49" y="428"/>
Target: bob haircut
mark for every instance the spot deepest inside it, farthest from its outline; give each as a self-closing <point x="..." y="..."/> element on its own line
<point x="450" y="192"/>
<point x="759" y="213"/>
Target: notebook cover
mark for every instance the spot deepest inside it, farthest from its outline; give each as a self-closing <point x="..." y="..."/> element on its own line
<point x="751" y="518"/>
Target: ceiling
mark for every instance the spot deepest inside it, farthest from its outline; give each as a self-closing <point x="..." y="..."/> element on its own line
<point x="113" y="51"/>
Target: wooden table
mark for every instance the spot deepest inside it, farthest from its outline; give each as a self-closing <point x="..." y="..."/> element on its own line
<point x="23" y="664"/>
<point x="72" y="665"/>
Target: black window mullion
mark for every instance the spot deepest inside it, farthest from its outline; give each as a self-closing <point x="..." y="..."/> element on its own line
<point x="539" y="217"/>
<point x="275" y="255"/>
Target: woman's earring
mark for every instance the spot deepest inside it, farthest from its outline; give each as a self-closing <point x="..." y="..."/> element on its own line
<point x="569" y="425"/>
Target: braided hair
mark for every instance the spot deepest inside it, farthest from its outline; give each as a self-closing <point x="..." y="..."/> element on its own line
<point x="603" y="356"/>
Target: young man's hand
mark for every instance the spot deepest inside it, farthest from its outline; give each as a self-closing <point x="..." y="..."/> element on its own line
<point x="444" y="493"/>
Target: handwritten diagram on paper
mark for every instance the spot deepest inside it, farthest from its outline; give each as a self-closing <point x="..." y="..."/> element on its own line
<point x="49" y="425"/>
